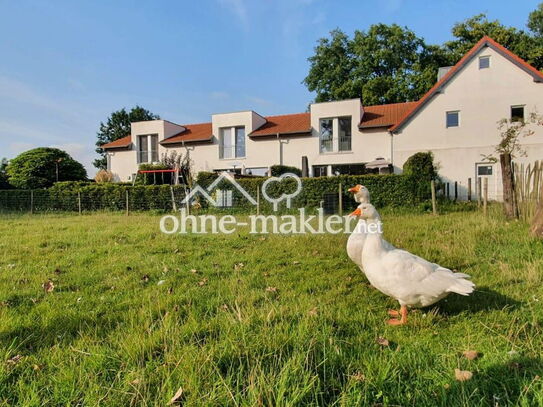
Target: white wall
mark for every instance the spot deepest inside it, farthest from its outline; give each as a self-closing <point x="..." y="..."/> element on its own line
<point x="483" y="97"/>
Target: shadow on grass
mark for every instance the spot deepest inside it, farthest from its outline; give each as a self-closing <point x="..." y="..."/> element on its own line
<point x="513" y="383"/>
<point x="63" y="329"/>
<point x="482" y="299"/>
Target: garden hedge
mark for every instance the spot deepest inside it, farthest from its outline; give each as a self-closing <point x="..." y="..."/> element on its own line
<point x="386" y="190"/>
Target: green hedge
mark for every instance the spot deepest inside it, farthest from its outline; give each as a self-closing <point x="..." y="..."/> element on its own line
<point x="386" y="190"/>
<point x="93" y="196"/>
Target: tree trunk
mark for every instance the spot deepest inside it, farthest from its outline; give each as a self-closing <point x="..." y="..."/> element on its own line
<point x="509" y="199"/>
<point x="537" y="223"/>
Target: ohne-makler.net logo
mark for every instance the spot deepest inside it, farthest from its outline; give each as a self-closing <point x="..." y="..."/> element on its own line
<point x="301" y="223"/>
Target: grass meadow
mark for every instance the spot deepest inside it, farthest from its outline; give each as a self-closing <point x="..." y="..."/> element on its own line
<point x="104" y="310"/>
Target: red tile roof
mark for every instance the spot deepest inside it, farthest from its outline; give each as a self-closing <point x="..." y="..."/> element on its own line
<point x="120" y="143"/>
<point x="384" y="115"/>
<point x="484" y="42"/>
<point x="193" y="133"/>
<point x="298" y="123"/>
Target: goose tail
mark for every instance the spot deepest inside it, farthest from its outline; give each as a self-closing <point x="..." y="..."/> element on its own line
<point x="461" y="284"/>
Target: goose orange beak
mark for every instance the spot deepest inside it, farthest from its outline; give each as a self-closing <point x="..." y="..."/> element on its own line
<point x="354" y="189"/>
<point x="356" y="212"/>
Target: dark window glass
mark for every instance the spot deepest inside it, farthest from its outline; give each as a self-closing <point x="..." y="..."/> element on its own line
<point x="484" y="62"/>
<point x="517" y="113"/>
<point x="240" y="141"/>
<point x="453" y="119"/>
<point x="326" y="135"/>
<point x="344" y="134"/>
<point x="154" y="148"/>
<point x="348" y="169"/>
<point x="143" y="149"/>
<point x="320" y="170"/>
<point x="484" y="170"/>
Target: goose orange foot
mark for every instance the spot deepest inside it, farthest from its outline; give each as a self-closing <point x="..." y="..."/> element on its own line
<point x="394" y="313"/>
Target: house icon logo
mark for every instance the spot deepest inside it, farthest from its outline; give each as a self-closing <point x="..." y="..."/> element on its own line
<point x="224" y="197"/>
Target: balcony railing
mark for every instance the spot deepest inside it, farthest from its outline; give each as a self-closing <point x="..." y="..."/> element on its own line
<point x="232" y="151"/>
<point x="345" y="143"/>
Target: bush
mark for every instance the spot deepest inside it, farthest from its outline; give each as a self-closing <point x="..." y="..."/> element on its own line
<point x="104" y="176"/>
<point x="277" y="170"/>
<point x="37" y="168"/>
<point x="421" y="165"/>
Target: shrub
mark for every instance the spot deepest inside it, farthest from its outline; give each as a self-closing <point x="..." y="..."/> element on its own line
<point x="277" y="170"/>
<point x="421" y="165"/>
<point x="38" y="168"/>
<point x="104" y="176"/>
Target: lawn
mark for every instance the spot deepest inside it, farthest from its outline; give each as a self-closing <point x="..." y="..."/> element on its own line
<point x="254" y="320"/>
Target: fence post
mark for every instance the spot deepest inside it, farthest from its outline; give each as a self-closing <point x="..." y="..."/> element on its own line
<point x="127" y="207"/>
<point x="455" y="191"/>
<point x="448" y="191"/>
<point x="79" y="201"/>
<point x="434" y="204"/>
<point x="485" y="196"/>
<point x="478" y="191"/>
<point x="174" y="205"/>
<point x="340" y="200"/>
<point x="469" y="189"/>
<point x="31" y="201"/>
<point x="258" y="200"/>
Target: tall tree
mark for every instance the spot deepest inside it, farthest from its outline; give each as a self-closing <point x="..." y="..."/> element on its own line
<point x="386" y="64"/>
<point x="42" y="167"/>
<point x="118" y="126"/>
<point x="535" y="21"/>
<point x="527" y="46"/>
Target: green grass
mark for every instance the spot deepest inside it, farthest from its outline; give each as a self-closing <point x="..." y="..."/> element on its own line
<point x="106" y="336"/>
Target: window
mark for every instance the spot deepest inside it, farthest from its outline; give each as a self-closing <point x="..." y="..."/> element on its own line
<point x="484" y="170"/>
<point x="453" y="119"/>
<point x="348" y="169"/>
<point x="148" y="148"/>
<point x="232" y="142"/>
<point x="326" y="135"/>
<point x="517" y="113"/>
<point x="344" y="134"/>
<point x="484" y="62"/>
<point x="240" y="141"/>
<point x="320" y="170"/>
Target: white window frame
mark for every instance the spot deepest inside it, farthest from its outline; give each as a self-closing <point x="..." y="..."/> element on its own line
<point x="335" y="142"/>
<point x="447" y="119"/>
<point x="149" y="151"/>
<point x="231" y="130"/>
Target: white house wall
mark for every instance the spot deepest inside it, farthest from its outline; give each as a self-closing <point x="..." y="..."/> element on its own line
<point x="483" y="97"/>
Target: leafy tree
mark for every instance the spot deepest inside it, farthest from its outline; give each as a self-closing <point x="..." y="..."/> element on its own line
<point x="118" y="126"/>
<point x="535" y="21"/>
<point x="469" y="32"/>
<point x="37" y="168"/>
<point x="4" y="184"/>
<point x="386" y="64"/>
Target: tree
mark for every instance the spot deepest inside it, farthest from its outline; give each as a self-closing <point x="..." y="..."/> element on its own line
<point x="421" y="165"/>
<point x="529" y="47"/>
<point x="511" y="132"/>
<point x="4" y="184"/>
<point x="386" y="64"/>
<point x="41" y="167"/>
<point x="118" y="126"/>
<point x="535" y="21"/>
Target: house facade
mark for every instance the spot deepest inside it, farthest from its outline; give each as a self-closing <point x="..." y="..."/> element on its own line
<point x="456" y="120"/>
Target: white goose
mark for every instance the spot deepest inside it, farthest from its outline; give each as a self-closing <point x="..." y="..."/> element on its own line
<point x="410" y="279"/>
<point x="355" y="242"/>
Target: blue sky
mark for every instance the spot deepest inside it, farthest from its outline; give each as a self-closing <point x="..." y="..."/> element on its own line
<point x="65" y="65"/>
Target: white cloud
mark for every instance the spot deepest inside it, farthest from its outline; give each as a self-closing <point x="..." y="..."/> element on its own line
<point x="260" y="101"/>
<point x="239" y="9"/>
<point x="392" y="6"/>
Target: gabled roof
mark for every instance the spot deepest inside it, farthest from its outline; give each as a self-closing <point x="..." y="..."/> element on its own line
<point x="484" y="42"/>
<point x="193" y="133"/>
<point x="384" y="115"/>
<point x="298" y="123"/>
<point x="120" y="143"/>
